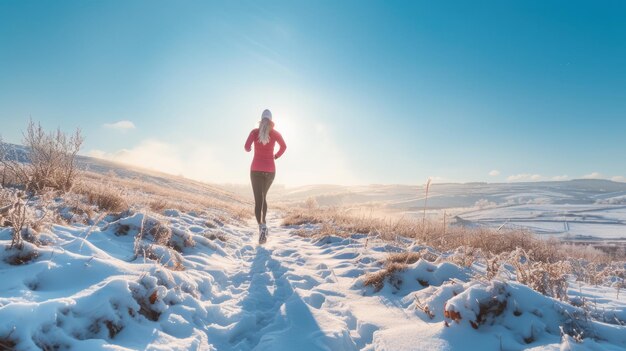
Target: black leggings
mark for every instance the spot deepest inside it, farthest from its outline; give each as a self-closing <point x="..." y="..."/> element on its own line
<point x="261" y="182"/>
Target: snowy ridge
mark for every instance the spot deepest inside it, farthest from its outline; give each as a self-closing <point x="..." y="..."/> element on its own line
<point x="90" y="290"/>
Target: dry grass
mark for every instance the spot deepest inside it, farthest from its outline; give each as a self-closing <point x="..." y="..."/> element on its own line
<point x="548" y="278"/>
<point x="541" y="264"/>
<point x="333" y="221"/>
<point x="160" y="233"/>
<point x="174" y="263"/>
<point x="105" y="198"/>
<point x="159" y="205"/>
<point x="185" y="196"/>
<point x="403" y="257"/>
<point x="295" y="218"/>
<point x="336" y="222"/>
<point x="395" y="262"/>
<point x="157" y="241"/>
<point x="387" y="274"/>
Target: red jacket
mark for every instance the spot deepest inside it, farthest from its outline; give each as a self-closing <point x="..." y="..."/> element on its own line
<point x="264" y="154"/>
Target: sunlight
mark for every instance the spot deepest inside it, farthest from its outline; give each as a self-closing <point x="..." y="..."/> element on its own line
<point x="286" y="123"/>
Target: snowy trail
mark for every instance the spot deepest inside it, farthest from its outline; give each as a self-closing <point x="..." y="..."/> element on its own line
<point x="301" y="294"/>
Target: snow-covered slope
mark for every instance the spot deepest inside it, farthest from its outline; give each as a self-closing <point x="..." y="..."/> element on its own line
<point x="124" y="171"/>
<point x="100" y="287"/>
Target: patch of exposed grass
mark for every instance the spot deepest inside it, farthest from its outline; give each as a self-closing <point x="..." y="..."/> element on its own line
<point x="387" y="274"/>
<point x="18" y="257"/>
<point x="403" y="257"/>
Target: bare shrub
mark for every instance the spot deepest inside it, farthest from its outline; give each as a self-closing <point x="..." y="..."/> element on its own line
<point x="492" y="268"/>
<point x="7" y="177"/>
<point x="160" y="249"/>
<point x="398" y="262"/>
<point x="50" y="160"/>
<point x="15" y="212"/>
<point x="311" y="203"/>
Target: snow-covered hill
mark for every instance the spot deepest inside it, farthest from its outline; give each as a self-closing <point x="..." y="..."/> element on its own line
<point x="584" y="209"/>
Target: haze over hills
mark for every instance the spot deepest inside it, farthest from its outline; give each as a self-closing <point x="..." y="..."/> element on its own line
<point x="589" y="209"/>
<point x="397" y="196"/>
<point x="451" y="195"/>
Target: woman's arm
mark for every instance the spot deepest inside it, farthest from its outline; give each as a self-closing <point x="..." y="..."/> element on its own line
<point x="248" y="145"/>
<point x="281" y="143"/>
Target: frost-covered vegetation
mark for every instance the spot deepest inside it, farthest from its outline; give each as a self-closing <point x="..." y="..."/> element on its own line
<point x="482" y="277"/>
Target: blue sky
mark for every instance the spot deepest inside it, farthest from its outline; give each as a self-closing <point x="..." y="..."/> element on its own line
<point x="362" y="91"/>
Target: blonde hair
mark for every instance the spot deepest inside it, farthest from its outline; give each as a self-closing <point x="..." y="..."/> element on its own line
<point x="265" y="127"/>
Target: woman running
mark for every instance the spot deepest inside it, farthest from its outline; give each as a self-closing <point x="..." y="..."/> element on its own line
<point x="263" y="170"/>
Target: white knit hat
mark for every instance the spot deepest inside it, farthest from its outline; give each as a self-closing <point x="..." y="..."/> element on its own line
<point x="266" y="114"/>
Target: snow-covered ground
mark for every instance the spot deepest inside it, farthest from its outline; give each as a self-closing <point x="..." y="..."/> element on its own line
<point x="596" y="221"/>
<point x="584" y="209"/>
<point x="87" y="290"/>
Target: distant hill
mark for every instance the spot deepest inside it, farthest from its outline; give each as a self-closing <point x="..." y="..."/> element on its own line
<point x="95" y="165"/>
<point x="450" y="195"/>
<point x="393" y="196"/>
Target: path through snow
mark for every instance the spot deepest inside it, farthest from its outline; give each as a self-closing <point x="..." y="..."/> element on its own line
<point x="302" y="295"/>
